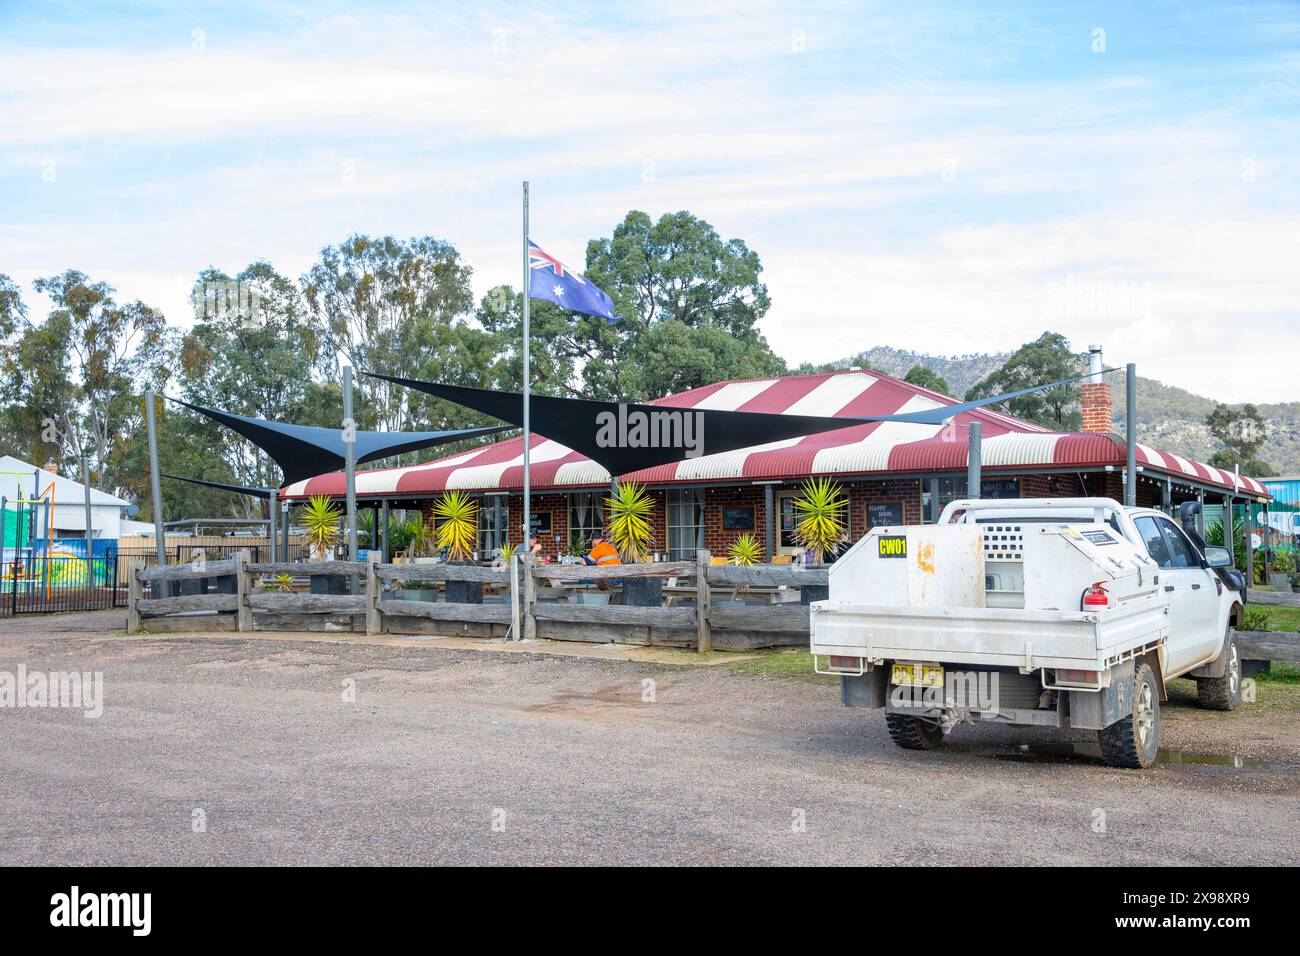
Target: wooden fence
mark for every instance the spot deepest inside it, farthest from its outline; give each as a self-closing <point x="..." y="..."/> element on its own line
<point x="726" y="607"/>
<point x="699" y="604"/>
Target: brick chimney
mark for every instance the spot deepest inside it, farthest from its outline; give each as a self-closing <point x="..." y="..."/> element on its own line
<point x="1096" y="395"/>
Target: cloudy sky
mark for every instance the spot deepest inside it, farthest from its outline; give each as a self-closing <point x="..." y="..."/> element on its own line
<point x="918" y="175"/>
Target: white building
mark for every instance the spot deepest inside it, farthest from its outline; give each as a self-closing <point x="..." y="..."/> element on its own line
<point x="21" y="479"/>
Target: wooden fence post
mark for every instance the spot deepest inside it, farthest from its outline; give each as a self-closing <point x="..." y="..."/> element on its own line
<point x="374" y="623"/>
<point x="515" y="560"/>
<point x="703" y="634"/>
<point x="530" y="599"/>
<point x="243" y="584"/>
<point x="133" y="594"/>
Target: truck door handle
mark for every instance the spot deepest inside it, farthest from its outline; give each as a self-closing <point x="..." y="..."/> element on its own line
<point x="1196" y="587"/>
<point x="1169" y="587"/>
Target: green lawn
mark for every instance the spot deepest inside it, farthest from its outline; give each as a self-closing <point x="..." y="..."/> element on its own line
<point x="1279" y="674"/>
<point x="780" y="662"/>
<point x="1280" y="618"/>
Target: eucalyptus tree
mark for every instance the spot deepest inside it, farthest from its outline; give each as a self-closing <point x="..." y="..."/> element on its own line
<point x="402" y="307"/>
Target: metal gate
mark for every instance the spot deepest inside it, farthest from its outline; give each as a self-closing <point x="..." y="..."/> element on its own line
<point x="31" y="584"/>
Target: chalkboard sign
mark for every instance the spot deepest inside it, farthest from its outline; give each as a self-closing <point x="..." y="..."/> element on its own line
<point x="884" y="514"/>
<point x="1000" y="488"/>
<point x="541" y="522"/>
<point x="738" y="519"/>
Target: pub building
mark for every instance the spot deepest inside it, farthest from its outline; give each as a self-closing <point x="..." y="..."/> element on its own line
<point x="891" y="472"/>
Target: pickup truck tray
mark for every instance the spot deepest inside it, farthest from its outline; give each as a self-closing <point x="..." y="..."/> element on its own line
<point x="1008" y="637"/>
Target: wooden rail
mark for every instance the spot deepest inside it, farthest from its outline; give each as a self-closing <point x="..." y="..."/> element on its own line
<point x="1283" y="646"/>
<point x="190" y="571"/>
<point x="1274" y="598"/>
<point x="765" y="575"/>
<point x="308" y="568"/>
<point x="443" y="572"/>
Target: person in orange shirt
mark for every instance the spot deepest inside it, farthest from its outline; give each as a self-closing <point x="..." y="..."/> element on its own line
<point x="602" y="552"/>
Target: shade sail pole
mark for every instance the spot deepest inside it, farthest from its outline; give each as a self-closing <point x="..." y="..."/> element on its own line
<point x="527" y="424"/>
<point x="155" y="485"/>
<point x="90" y="530"/>
<point x="350" y="467"/>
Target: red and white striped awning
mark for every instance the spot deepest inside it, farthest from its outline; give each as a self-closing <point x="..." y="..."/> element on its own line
<point x="872" y="449"/>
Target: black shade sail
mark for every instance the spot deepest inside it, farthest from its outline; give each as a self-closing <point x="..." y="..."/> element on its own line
<point x="624" y="436"/>
<point x="221" y="485"/>
<point x="669" y="434"/>
<point x="304" y="451"/>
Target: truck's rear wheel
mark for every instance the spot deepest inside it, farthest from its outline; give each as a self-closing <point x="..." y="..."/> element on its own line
<point x="913" y="733"/>
<point x="1223" y="693"/>
<point x="1134" y="741"/>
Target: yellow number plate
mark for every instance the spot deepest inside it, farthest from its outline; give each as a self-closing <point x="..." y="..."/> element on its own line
<point x="917" y="675"/>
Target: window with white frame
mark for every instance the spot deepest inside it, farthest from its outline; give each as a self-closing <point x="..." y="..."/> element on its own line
<point x="586" y="516"/>
<point x="685" y="523"/>
<point x="493" y="516"/>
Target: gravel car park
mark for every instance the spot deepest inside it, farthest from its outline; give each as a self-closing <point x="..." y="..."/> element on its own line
<point x="313" y="749"/>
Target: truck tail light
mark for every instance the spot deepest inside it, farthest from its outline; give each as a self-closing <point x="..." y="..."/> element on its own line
<point x="1096" y="597"/>
<point x="846" y="663"/>
<point x="1076" y="677"/>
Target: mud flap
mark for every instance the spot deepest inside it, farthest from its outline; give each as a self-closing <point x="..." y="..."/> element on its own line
<point x="1215" y="668"/>
<point x="1098" y="709"/>
<point x="865" y="690"/>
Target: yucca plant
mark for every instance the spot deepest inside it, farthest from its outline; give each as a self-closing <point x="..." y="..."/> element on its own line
<point x="506" y="552"/>
<point x="278" y="582"/>
<point x="420" y="539"/>
<point x="321" y="519"/>
<point x="820" y="512"/>
<point x="630" y="509"/>
<point x="456" y="528"/>
<point x="745" y="550"/>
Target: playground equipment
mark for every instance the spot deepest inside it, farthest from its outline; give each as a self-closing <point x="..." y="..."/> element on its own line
<point x="45" y="498"/>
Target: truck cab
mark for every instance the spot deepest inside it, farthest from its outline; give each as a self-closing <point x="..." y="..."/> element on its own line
<point x="1068" y="612"/>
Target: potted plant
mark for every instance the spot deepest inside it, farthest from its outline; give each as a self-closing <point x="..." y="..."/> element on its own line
<point x="320" y="519"/>
<point x="820" y="514"/>
<point x="1283" y="568"/>
<point x="631" y="511"/>
<point x="456" y="530"/>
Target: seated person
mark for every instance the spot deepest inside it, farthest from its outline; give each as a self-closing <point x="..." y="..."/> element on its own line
<point x="602" y="552"/>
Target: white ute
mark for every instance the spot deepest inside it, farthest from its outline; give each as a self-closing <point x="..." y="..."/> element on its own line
<point x="1057" y="612"/>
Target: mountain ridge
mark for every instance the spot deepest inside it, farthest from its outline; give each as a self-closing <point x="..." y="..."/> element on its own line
<point x="1168" y="417"/>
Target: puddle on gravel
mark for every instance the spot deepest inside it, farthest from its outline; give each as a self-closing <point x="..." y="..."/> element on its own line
<point x="1091" y="753"/>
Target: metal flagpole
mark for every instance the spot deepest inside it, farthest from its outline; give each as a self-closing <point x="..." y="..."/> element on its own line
<point x="528" y="484"/>
<point x="1130" y="435"/>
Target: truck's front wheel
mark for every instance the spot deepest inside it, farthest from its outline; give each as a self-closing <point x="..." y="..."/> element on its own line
<point x="1134" y="741"/>
<point x="913" y="733"/>
<point x="1223" y="693"/>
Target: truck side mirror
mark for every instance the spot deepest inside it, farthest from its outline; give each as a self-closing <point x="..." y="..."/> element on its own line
<point x="1216" y="557"/>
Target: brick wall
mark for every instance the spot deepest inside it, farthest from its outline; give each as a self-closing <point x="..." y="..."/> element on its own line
<point x="906" y="491"/>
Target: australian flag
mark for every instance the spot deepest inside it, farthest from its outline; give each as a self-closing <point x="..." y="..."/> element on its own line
<point x="549" y="279"/>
